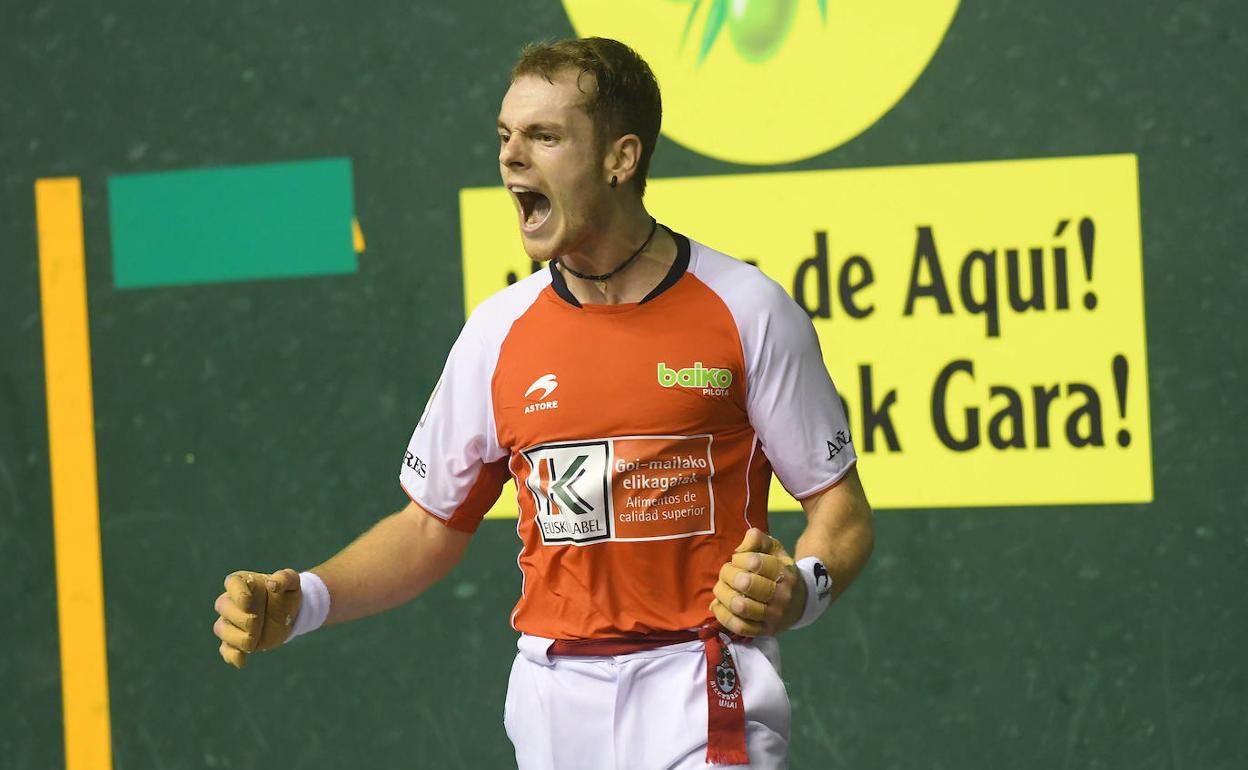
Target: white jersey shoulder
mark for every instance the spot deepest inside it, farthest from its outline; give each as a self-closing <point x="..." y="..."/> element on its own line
<point x="792" y="403"/>
<point x="742" y="286"/>
<point x="491" y="320"/>
<point x="457" y="436"/>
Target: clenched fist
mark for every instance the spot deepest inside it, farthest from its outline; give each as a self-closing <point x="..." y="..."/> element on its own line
<point x="256" y="613"/>
<point x="759" y="592"/>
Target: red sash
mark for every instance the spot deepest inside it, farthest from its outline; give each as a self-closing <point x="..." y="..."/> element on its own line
<point x="725" y="723"/>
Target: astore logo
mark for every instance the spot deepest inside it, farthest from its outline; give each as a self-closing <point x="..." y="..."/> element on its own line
<point x="546" y="383"/>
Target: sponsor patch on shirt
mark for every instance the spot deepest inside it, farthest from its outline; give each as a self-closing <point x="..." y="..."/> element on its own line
<point x="622" y="489"/>
<point x="710" y="380"/>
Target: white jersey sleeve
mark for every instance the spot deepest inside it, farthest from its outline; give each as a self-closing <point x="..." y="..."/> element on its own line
<point x="792" y="403"/>
<point x="454" y="467"/>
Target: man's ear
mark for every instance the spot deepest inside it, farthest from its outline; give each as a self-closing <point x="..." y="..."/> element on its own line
<point x="622" y="158"/>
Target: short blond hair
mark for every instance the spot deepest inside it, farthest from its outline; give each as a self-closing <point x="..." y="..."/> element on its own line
<point x="625" y="98"/>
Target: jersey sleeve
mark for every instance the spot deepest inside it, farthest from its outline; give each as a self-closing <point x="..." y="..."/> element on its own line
<point x="454" y="467"/>
<point x="792" y="403"/>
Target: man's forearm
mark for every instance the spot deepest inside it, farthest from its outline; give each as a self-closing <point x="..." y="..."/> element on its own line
<point x="392" y="563"/>
<point x="839" y="531"/>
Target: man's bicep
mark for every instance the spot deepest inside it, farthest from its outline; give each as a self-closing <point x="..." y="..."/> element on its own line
<point x="432" y="533"/>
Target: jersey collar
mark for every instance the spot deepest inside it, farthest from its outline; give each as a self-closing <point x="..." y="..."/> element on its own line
<point x="678" y="268"/>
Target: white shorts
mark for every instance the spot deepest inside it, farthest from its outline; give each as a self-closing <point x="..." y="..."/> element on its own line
<point x="642" y="711"/>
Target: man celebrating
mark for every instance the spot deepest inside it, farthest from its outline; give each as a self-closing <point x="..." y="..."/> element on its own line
<point x="640" y="392"/>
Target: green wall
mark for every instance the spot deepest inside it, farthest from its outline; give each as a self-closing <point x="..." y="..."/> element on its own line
<point x="260" y="424"/>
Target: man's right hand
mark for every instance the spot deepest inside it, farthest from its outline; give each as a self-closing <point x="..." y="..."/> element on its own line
<point x="257" y="612"/>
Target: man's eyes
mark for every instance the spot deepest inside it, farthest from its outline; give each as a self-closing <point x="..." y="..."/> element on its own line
<point x="543" y="137"/>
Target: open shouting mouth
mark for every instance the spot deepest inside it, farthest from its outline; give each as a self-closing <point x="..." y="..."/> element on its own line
<point x="534" y="207"/>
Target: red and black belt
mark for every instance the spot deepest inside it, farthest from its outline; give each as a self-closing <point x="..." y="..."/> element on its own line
<point x="725" y="722"/>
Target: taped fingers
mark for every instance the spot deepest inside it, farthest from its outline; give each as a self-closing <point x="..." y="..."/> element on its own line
<point x="752" y="584"/>
<point x="283" y="581"/>
<point x="761" y="563"/>
<point x="236" y="658"/>
<point x="755" y="541"/>
<point x="282" y="605"/>
<point x="227" y="609"/>
<point x="246" y="589"/>
<point x="742" y="606"/>
<point x="233" y="635"/>
<point x="774" y="545"/>
<point x="733" y="623"/>
<point x="758" y="541"/>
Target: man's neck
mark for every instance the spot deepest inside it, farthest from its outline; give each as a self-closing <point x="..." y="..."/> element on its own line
<point x="636" y="279"/>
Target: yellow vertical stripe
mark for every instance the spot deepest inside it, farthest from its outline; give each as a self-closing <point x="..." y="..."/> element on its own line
<point x="75" y="501"/>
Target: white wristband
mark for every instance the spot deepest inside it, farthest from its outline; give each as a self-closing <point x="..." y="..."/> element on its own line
<point x="313" y="605"/>
<point x="818" y="590"/>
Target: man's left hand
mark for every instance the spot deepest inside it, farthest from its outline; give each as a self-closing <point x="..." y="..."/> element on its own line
<point x="759" y="592"/>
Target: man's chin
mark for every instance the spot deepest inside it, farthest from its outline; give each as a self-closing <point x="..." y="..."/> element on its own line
<point x="539" y="249"/>
<point x="541" y="257"/>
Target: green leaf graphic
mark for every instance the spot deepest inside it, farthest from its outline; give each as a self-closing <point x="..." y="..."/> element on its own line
<point x="689" y="23"/>
<point x="823" y="10"/>
<point x="714" y="23"/>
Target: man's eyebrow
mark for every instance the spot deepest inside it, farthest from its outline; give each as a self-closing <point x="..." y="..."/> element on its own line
<point x="533" y="128"/>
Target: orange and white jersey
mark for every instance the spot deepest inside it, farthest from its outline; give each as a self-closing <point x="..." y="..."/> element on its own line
<point x="641" y="437"/>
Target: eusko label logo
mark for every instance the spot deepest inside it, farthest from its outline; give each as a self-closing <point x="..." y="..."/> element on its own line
<point x="712" y="381"/>
<point x="571" y="489"/>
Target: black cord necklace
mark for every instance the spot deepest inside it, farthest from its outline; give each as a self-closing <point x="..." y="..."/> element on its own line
<point x="654" y="225"/>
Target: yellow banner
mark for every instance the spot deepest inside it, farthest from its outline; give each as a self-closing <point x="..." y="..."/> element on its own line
<point x="983" y="322"/>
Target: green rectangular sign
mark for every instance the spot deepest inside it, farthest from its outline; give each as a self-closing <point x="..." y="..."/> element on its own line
<point x="237" y="223"/>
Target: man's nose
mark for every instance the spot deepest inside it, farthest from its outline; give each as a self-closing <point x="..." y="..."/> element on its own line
<point x="511" y="154"/>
